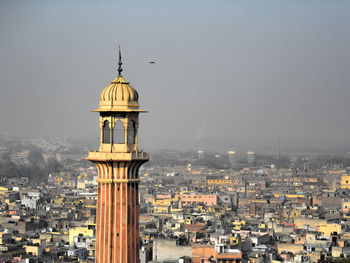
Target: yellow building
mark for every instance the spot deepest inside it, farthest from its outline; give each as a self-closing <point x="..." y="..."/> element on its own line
<point x="218" y="181"/>
<point x="237" y="224"/>
<point x="294" y="213"/>
<point x="336" y="171"/>
<point x="290" y="196"/>
<point x="329" y="229"/>
<point x="3" y="190"/>
<point x="165" y="201"/>
<point x="188" y="221"/>
<point x="346" y="206"/>
<point x="207" y="209"/>
<point x="174" y="210"/>
<point x="345" y="181"/>
<point x="311" y="222"/>
<point x="86" y="231"/>
<point x="34" y="250"/>
<point x="81" y="185"/>
<point x="234" y="240"/>
<point x="59" y="200"/>
<point x="161" y="209"/>
<point x="259" y="201"/>
<point x="285" y="247"/>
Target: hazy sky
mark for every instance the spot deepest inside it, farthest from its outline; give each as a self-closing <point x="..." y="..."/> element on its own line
<point x="225" y="72"/>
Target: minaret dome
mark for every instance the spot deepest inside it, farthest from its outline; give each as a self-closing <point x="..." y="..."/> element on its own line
<point x="119" y="95"/>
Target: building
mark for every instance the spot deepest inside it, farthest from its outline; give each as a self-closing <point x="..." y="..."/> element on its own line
<point x="118" y="161"/>
<point x="31" y="200"/>
<point x="190" y="199"/>
<point x="251" y="157"/>
<point x="168" y="251"/>
<point x="232" y="157"/>
<point x="200" y="154"/>
<point x="218" y="180"/>
<point x="345" y="181"/>
<point x="86" y="231"/>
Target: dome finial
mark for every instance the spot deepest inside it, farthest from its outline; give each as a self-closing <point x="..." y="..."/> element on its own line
<point x="120" y="69"/>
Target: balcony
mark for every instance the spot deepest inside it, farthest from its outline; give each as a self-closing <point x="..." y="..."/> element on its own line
<point x="118" y="156"/>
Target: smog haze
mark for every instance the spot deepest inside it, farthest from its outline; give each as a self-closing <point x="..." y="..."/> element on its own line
<point x="226" y="74"/>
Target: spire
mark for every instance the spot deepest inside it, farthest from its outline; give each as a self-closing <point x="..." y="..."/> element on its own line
<point x="120" y="69"/>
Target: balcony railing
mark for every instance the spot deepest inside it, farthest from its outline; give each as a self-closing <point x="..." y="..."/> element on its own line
<point x="96" y="155"/>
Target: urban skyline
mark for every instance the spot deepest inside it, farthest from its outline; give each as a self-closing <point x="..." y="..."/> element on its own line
<point x="243" y="155"/>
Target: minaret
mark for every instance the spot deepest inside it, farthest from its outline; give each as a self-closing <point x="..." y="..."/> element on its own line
<point x="118" y="161"/>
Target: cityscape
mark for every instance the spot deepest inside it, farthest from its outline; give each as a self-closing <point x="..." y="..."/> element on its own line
<point x="221" y="140"/>
<point x="195" y="206"/>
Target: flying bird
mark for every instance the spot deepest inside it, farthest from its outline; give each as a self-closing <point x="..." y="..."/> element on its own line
<point x="152" y="62"/>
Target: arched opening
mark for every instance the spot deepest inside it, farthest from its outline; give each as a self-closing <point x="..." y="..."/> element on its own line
<point x="119" y="132"/>
<point x="106" y="132"/>
<point x="131" y="132"/>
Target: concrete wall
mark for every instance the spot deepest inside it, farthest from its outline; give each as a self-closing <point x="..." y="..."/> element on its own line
<point x="200" y="251"/>
<point x="300" y="222"/>
<point x="289" y="247"/>
<point x="168" y="250"/>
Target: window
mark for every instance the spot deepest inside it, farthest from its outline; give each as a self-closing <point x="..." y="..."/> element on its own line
<point x="118" y="133"/>
<point x="106" y="137"/>
<point x="131" y="132"/>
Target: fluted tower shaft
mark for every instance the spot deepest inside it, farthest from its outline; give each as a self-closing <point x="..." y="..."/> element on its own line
<point x="118" y="161"/>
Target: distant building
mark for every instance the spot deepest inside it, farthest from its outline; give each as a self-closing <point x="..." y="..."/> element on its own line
<point x="200" y="154"/>
<point x="251" y="157"/>
<point x="31" y="200"/>
<point x="83" y="231"/>
<point x="165" y="250"/>
<point x="189" y="199"/>
<point x="218" y="180"/>
<point x="80" y="253"/>
<point x="345" y="181"/>
<point x="232" y="157"/>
